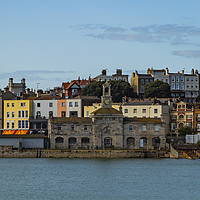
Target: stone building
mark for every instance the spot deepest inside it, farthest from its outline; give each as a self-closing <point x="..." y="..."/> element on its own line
<point x="117" y="76"/>
<point x="106" y="128"/>
<point x="17" y="88"/>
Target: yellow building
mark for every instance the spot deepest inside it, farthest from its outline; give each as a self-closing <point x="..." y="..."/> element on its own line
<point x="16" y="114"/>
<point x="89" y="109"/>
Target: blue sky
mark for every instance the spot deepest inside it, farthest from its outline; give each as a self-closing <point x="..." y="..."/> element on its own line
<point x="53" y="41"/>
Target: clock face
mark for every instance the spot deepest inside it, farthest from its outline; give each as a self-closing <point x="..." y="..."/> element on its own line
<point x="107" y="101"/>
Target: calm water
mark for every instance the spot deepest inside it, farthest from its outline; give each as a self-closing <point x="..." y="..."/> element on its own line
<point x="100" y="179"/>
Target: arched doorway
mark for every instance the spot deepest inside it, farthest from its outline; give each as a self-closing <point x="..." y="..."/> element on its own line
<point x="130" y="142"/>
<point x="59" y="142"/>
<point x="143" y="142"/>
<point x="72" y="143"/>
<point x="156" y="142"/>
<point x="85" y="141"/>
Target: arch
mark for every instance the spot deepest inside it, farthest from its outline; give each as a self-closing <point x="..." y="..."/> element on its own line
<point x="181" y="125"/>
<point x="156" y="142"/>
<point x="72" y="140"/>
<point x="85" y="140"/>
<point x="59" y="140"/>
<point x="130" y="142"/>
<point x="181" y="116"/>
<point x="143" y="142"/>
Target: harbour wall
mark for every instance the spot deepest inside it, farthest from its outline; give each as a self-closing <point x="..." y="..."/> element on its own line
<point x="52" y="153"/>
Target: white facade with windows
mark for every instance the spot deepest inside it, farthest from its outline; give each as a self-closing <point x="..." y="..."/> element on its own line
<point x="45" y="108"/>
<point x="74" y="108"/>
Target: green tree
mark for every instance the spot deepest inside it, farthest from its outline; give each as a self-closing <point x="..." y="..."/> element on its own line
<point x="157" y="89"/>
<point x="186" y="130"/>
<point x="119" y="89"/>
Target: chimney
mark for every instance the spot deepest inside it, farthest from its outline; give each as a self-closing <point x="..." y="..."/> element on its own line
<point x="166" y="71"/>
<point x="39" y="92"/>
<point x="10" y="81"/>
<point x="104" y="72"/>
<point x="27" y="91"/>
<point x="192" y="71"/>
<point x="119" y="71"/>
<point x="23" y="81"/>
<point x="196" y="72"/>
<point x="6" y="89"/>
<point x="182" y="71"/>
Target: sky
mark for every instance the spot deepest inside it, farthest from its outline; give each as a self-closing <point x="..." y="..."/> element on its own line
<point x="48" y="42"/>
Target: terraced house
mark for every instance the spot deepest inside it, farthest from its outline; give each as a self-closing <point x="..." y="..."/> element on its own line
<point x="17" y="114"/>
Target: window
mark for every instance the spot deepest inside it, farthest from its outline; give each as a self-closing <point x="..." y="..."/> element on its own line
<point x="125" y="110"/>
<point x="24" y="104"/>
<point x="188" y="79"/>
<point x="177" y="86"/>
<point x="72" y="127"/>
<point x="38" y="105"/>
<point x="19" y="113"/>
<point x="142" y="81"/>
<point x="85" y="127"/>
<point x="182" y="86"/>
<point x="8" y="114"/>
<point x="63" y="113"/>
<point x="156" y="110"/>
<point x="144" y="110"/>
<point x="146" y="81"/>
<point x="196" y="79"/>
<point x="182" y="78"/>
<point x="173" y="79"/>
<point x="166" y="80"/>
<point x="143" y="127"/>
<point x="50" y="104"/>
<point x="76" y="104"/>
<point x="134" y="110"/>
<point x="63" y="104"/>
<point x="7" y="124"/>
<point x="13" y="105"/>
<point x="177" y="79"/>
<point x="19" y="124"/>
<point x="188" y="85"/>
<point x="23" y="125"/>
<point x="70" y="104"/>
<point x="7" y="104"/>
<point x="13" y="125"/>
<point x="26" y="123"/>
<point x="156" y="128"/>
<point x="142" y="88"/>
<point x="173" y="86"/>
<point x="87" y="113"/>
<point x="59" y="127"/>
<point x="192" y="85"/>
<point x="26" y="113"/>
<point x="196" y="85"/>
<point x="192" y="79"/>
<point x="13" y="114"/>
<point x="22" y="113"/>
<point x="130" y="127"/>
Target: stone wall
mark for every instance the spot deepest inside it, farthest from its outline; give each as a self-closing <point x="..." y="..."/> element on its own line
<point x="51" y="153"/>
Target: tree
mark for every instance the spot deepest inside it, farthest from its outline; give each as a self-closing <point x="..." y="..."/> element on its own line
<point x="119" y="89"/>
<point x="157" y="89"/>
<point x="186" y="130"/>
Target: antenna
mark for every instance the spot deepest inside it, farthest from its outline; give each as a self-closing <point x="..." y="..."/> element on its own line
<point x="38" y="85"/>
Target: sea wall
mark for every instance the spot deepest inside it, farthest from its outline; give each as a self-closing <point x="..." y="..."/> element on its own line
<point x="51" y="153"/>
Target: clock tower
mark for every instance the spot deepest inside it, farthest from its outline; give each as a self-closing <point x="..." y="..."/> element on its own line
<point x="106" y="99"/>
